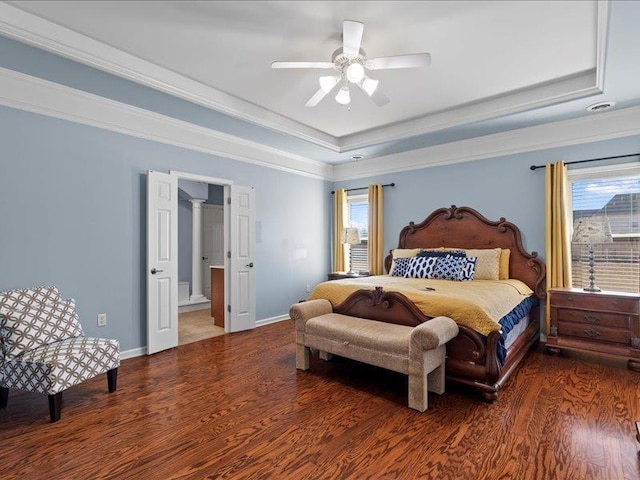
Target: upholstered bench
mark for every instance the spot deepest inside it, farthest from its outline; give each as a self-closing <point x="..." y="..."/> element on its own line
<point x="416" y="350"/>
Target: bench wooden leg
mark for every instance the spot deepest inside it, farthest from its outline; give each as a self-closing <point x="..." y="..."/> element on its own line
<point x="302" y="357"/>
<point x="55" y="403"/>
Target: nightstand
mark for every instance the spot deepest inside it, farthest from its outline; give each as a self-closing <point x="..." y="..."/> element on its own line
<point x="341" y="275"/>
<point x="603" y="323"/>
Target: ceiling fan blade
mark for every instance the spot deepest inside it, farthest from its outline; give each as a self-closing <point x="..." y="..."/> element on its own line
<point x="302" y="65"/>
<point x="379" y="98"/>
<point x="317" y="97"/>
<point x="351" y="37"/>
<point x="412" y="60"/>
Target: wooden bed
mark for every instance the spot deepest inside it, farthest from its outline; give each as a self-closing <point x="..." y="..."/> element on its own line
<point x="472" y="358"/>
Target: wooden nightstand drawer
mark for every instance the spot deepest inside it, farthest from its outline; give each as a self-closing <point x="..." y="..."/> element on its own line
<point x="606" y="319"/>
<point x="595" y="302"/>
<point x="605" y="324"/>
<point x="594" y="332"/>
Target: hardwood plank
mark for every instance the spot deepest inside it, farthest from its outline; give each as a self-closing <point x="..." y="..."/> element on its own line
<point x="235" y="407"/>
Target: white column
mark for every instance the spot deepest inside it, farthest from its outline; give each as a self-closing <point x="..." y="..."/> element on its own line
<point x="196" y="253"/>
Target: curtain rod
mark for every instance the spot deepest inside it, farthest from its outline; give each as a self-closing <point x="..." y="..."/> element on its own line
<point x="535" y="167"/>
<point x="364" y="188"/>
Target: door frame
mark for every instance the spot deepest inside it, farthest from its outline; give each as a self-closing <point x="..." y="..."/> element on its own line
<point x="226" y="184"/>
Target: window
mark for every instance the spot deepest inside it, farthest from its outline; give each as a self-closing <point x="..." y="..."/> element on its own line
<point x="607" y="196"/>
<point x="358" y="216"/>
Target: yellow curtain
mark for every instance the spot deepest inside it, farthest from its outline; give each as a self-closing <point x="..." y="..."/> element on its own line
<point x="557" y="229"/>
<point x="376" y="254"/>
<point x="339" y="222"/>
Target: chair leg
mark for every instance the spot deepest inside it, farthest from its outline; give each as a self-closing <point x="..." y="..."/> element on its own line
<point x="55" y="402"/>
<point x="4" y="397"/>
<point x="112" y="379"/>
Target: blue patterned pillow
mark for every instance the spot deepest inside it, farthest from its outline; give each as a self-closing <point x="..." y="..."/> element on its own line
<point x="449" y="268"/>
<point x="469" y="269"/>
<point x="401" y="266"/>
<point x="421" y="267"/>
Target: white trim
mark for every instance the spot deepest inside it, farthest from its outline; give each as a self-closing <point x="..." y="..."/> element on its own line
<point x="33" y="94"/>
<point x="602" y="35"/>
<point x="619" y="170"/>
<point x="572" y="88"/>
<point x="33" y="30"/>
<point x="592" y="128"/>
<point x="134" y="352"/>
<point x="267" y="321"/>
<point x="196" y="177"/>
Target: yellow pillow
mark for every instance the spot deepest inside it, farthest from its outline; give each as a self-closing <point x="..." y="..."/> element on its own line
<point x="505" y="254"/>
<point x="488" y="263"/>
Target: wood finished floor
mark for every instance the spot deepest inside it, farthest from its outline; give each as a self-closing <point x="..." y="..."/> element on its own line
<point x="196" y="326"/>
<point x="235" y="407"/>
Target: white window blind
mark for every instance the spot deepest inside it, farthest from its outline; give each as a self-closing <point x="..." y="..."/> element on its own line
<point x="611" y="198"/>
<point x="358" y="213"/>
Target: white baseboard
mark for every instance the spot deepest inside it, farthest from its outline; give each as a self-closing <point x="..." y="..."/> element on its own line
<point x="134" y="352"/>
<point x="192" y="307"/>
<point x="267" y="321"/>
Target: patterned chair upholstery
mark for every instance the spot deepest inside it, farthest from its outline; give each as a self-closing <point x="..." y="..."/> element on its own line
<point x="43" y="348"/>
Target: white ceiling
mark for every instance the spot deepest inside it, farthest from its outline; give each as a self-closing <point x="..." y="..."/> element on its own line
<point x="501" y="64"/>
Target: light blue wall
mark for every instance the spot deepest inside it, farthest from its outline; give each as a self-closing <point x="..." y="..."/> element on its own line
<point x="73" y="213"/>
<point x="497" y="187"/>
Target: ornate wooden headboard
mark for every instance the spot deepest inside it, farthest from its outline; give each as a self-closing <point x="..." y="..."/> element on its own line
<point x="464" y="227"/>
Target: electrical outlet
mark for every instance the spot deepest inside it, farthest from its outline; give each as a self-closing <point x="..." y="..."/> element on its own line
<point x="307" y="288"/>
<point x="102" y="319"/>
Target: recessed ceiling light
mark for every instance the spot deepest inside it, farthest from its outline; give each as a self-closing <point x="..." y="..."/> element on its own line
<point x="357" y="156"/>
<point x="600" y="106"/>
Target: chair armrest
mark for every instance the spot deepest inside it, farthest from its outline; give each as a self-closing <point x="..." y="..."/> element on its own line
<point x="301" y="312"/>
<point x="433" y="333"/>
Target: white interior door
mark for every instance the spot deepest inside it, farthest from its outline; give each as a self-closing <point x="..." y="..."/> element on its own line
<point x="242" y="296"/>
<point x="162" y="261"/>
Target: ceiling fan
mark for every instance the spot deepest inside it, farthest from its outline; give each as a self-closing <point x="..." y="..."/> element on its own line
<point x="350" y="63"/>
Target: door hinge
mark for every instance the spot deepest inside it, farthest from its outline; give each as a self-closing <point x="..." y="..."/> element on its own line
<point x="229" y="308"/>
<point x="229" y="254"/>
<point x="228" y="200"/>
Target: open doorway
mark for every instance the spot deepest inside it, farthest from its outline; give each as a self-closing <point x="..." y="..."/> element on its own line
<point x="237" y="303"/>
<point x="200" y="251"/>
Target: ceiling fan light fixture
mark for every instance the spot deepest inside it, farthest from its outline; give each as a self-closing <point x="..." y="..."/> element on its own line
<point x="327" y="83"/>
<point x="343" y="97"/>
<point x="369" y="85"/>
<point x="355" y="73"/>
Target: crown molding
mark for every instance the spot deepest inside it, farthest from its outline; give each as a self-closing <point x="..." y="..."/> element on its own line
<point x="594" y="128"/>
<point x="33" y="30"/>
<point x="558" y="91"/>
<point x="36" y="95"/>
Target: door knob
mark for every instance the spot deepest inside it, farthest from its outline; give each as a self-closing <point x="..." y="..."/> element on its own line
<point x="250" y="265"/>
<point x="205" y="258"/>
<point x="154" y="271"/>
